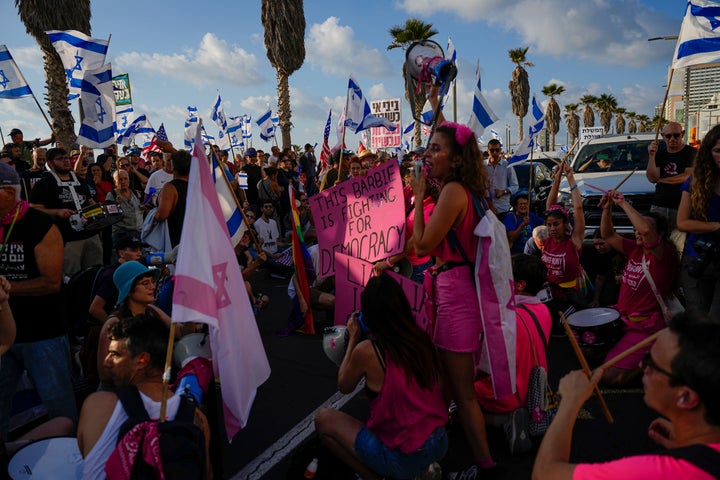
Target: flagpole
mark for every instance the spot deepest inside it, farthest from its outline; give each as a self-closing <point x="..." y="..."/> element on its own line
<point x="2" y="137"/>
<point x="662" y="110"/>
<point x="342" y="140"/>
<point x="455" y="100"/>
<point x="167" y="371"/>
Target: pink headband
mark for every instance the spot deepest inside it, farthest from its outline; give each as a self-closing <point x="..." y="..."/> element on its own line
<point x="462" y="133"/>
<point x="558" y="208"/>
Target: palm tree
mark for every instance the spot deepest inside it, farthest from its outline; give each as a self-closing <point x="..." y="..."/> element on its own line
<point x="572" y="121"/>
<point x="284" y="23"/>
<point x="552" y="112"/>
<point x="589" y="114"/>
<point x="619" y="120"/>
<point x="403" y="36"/>
<point x="520" y="86"/>
<point x="38" y="16"/>
<point x="607" y="104"/>
<point x="632" y="126"/>
<point x="657" y="118"/>
<point x="643" y="122"/>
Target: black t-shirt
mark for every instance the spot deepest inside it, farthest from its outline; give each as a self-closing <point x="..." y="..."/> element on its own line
<point x="254" y="174"/>
<point x="28" y="179"/>
<point x="48" y="193"/>
<point x="37" y="317"/>
<point x="671" y="164"/>
<point x="175" y="220"/>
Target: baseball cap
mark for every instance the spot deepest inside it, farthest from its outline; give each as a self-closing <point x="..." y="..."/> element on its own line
<point x="134" y="151"/>
<point x="8" y="175"/>
<point x="419" y="150"/>
<point x="15" y="131"/>
<point x="155" y="153"/>
<point x="126" y="274"/>
<point x="251" y="152"/>
<point x="126" y="240"/>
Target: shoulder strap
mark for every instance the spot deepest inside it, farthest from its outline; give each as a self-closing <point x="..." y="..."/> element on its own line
<point x="702" y="456"/>
<point x="134" y="408"/>
<point x="537" y="325"/>
<point x="532" y="345"/>
<point x="378" y="354"/>
<point x="453" y="239"/>
<point x="661" y="302"/>
<point x="186" y="410"/>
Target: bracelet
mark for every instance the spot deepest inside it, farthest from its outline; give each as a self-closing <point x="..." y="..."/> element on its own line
<point x="388" y="262"/>
<point x="573" y="187"/>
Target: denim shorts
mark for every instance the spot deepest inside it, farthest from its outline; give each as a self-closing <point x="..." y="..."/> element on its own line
<point x="394" y="463"/>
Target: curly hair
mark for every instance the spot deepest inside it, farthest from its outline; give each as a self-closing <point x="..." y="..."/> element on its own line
<point x="470" y="170"/>
<point x="705" y="176"/>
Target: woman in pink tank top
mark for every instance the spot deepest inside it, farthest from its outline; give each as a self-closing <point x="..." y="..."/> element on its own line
<point x="453" y="158"/>
<point x="405" y="434"/>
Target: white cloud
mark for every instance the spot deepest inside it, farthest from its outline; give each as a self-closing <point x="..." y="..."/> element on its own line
<point x="212" y="62"/>
<point x="611" y="31"/>
<point x="332" y="47"/>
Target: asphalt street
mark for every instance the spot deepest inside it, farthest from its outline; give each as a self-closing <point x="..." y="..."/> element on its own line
<point x="279" y="440"/>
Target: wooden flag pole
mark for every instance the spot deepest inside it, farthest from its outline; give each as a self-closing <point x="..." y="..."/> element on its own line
<point x="585" y="367"/>
<point x="662" y="110"/>
<point x="627" y="177"/>
<point x="167" y="372"/>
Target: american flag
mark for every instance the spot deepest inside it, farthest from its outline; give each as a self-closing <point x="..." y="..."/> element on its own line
<point x="325" y="153"/>
<point x="160" y="134"/>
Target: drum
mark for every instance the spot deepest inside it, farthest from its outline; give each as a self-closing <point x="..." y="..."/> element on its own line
<point x="596" y="327"/>
<point x="57" y="457"/>
<point x="192" y="345"/>
<point x="101" y="215"/>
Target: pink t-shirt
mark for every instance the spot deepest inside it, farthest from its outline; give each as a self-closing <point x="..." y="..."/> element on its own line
<point x="403" y="415"/>
<point x="643" y="467"/>
<point x="524" y="358"/>
<point x="562" y="260"/>
<point x="636" y="297"/>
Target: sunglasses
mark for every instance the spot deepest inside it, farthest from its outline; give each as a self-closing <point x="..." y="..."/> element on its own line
<point x="124" y="165"/>
<point x="672" y="135"/>
<point x="251" y="217"/>
<point x="495" y="149"/>
<point x="648" y="362"/>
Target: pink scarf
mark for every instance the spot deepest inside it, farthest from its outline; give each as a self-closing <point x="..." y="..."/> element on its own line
<point x="142" y="436"/>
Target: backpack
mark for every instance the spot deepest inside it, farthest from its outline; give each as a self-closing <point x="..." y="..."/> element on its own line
<point x="182" y="443"/>
<point x="541" y="401"/>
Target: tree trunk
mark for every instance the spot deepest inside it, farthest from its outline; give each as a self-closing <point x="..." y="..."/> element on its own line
<point x="520" y="129"/>
<point x="284" y="113"/>
<point x="63" y="123"/>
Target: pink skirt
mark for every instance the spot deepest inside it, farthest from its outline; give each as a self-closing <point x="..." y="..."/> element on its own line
<point x="458" y="325"/>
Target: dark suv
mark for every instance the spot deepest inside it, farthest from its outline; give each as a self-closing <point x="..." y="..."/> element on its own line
<point x="604" y="162"/>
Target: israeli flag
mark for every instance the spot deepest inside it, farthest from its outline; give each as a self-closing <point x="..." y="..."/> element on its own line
<point x="699" y="39"/>
<point x="407" y="136"/>
<point x="267" y="129"/>
<point x="98" y="102"/>
<point x="358" y="116"/>
<point x="450" y="53"/>
<point x="140" y="126"/>
<point x="12" y="83"/>
<point x="191" y="121"/>
<point x="207" y="139"/>
<point x="247" y="127"/>
<point x="233" y="218"/>
<point x="218" y="115"/>
<point x="78" y="53"/>
<point x="496" y="135"/>
<point x="234" y="131"/>
<point x="528" y="144"/>
<point x="482" y="115"/>
<point x="123" y="117"/>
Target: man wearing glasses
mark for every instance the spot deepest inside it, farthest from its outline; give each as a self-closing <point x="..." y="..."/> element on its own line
<point x="502" y="179"/>
<point x="668" y="168"/>
<point x="681" y="378"/>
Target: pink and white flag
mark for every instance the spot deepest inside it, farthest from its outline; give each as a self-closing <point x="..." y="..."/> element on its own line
<point x="209" y="288"/>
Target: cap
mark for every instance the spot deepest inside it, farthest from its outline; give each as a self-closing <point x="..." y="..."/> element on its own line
<point x="126" y="274"/>
<point x="367" y="153"/>
<point x="8" y="175"/>
<point x="155" y="153"/>
<point x="251" y="152"/>
<point x="418" y="151"/>
<point x="15" y="131"/>
<point x="126" y="239"/>
<point x="134" y="151"/>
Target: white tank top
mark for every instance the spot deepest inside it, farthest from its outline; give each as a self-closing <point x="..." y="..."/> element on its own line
<point x="94" y="464"/>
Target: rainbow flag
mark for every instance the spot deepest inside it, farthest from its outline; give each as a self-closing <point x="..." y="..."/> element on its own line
<point x="302" y="260"/>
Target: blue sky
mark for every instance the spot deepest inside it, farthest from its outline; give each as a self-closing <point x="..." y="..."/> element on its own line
<point x="180" y="53"/>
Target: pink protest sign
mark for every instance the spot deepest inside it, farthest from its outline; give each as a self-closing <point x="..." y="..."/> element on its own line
<point x="363" y="217"/>
<point x="351" y="276"/>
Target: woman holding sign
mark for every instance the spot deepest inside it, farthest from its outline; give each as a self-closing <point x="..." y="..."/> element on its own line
<point x="453" y="158"/>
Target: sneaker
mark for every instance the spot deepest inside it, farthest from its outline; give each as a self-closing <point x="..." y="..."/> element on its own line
<point x="517" y="431"/>
<point x="471" y="473"/>
<point x="432" y="472"/>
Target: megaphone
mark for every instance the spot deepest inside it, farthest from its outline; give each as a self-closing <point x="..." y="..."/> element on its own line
<point x="403" y="267"/>
<point x="335" y="341"/>
<point x="425" y="64"/>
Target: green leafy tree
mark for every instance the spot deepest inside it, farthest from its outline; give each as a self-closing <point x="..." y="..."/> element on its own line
<point x="552" y="112"/>
<point x="520" y="86"/>
<point x="589" y="113"/>
<point x="632" y="126"/>
<point x="606" y="104"/>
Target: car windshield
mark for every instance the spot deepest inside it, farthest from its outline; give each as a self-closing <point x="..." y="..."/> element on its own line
<point x="613" y="157"/>
<point x="522" y="171"/>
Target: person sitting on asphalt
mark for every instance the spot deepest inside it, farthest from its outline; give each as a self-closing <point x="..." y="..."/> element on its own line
<point x="531" y="342"/>
<point x="682" y="383"/>
<point x="135" y="357"/>
<point x="405" y="433"/>
<point x="637" y="303"/>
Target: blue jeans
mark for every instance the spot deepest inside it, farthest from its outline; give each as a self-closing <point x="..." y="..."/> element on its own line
<point x="394" y="463"/>
<point x="48" y="365"/>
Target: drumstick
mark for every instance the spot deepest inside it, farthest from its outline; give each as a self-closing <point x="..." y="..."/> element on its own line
<point x="631" y="350"/>
<point x="625" y="179"/>
<point x="586" y="367"/>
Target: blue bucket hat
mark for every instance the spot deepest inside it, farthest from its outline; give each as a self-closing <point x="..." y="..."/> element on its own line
<point x="126" y="274"/>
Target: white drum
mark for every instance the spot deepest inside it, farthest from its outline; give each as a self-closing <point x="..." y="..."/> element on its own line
<point x="50" y="458"/>
<point x="596" y="327"/>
